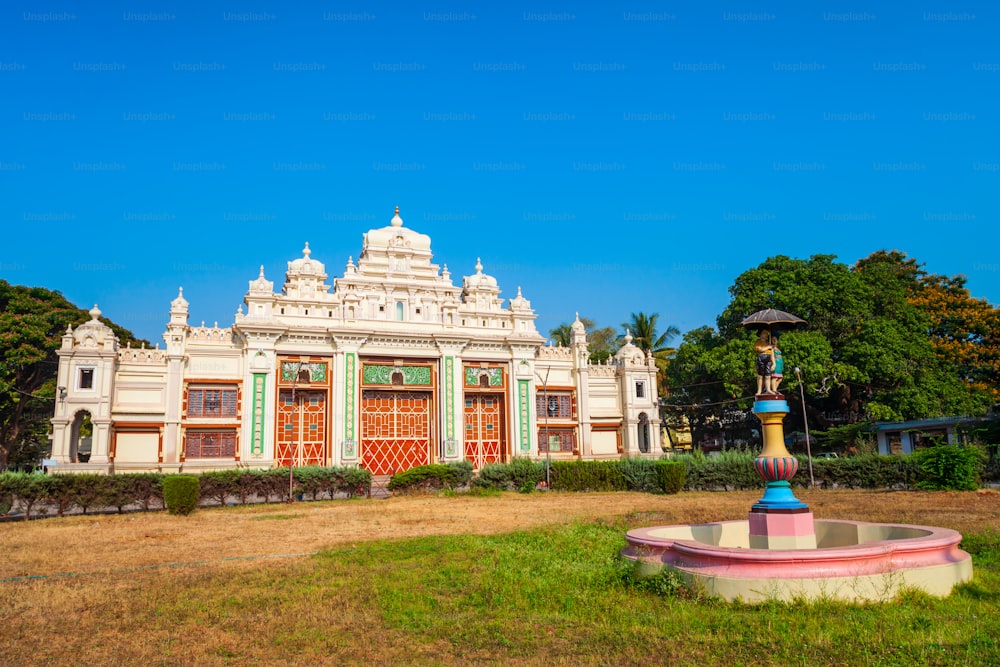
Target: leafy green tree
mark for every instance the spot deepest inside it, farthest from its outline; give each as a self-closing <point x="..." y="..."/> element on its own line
<point x="601" y="341"/>
<point x="876" y="345"/>
<point x="32" y="321"/>
<point x="562" y="335"/>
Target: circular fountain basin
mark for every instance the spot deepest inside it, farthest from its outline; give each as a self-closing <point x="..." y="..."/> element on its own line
<point x="853" y="560"/>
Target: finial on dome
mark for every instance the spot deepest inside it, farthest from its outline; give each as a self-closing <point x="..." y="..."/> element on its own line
<point x="239" y="310"/>
<point x="479" y="265"/>
<point x="95" y="312"/>
<point x="628" y="336"/>
<point x="578" y="316"/>
<point x="261" y="276"/>
<point x="306" y="251"/>
<point x="518" y="291"/>
<point x="180" y="302"/>
<point x="396" y="220"/>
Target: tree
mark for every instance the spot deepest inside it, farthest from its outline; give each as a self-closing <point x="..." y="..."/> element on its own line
<point x="32" y="321"/>
<point x="965" y="332"/>
<point x="876" y="345"/>
<point x="647" y="339"/>
<point x="645" y="336"/>
<point x="601" y="341"/>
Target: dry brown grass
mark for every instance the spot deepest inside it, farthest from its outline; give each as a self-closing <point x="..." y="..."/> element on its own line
<point x="103" y="543"/>
<point x="109" y="614"/>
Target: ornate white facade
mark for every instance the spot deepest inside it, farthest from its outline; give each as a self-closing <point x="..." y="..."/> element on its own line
<point x="393" y="366"/>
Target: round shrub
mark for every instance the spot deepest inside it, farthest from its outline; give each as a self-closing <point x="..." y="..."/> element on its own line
<point x="950" y="467"/>
<point x="671" y="475"/>
<point x="180" y="493"/>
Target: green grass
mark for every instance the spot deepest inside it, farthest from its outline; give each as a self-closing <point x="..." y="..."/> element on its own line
<point x="550" y="597"/>
<point x="564" y="597"/>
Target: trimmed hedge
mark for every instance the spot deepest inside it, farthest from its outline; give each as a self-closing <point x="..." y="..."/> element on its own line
<point x="943" y="467"/>
<point x="433" y="477"/>
<point x="61" y="493"/>
<point x="520" y="474"/>
<point x="622" y="475"/>
<point x="180" y="493"/>
<point x="588" y="476"/>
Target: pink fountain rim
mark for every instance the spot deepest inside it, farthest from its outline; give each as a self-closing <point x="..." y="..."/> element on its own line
<point x="939" y="546"/>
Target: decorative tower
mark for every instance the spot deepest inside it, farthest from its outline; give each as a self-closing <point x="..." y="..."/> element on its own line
<point x="86" y="380"/>
<point x="636" y="373"/>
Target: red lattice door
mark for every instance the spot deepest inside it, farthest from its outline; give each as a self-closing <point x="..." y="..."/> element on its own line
<point x="484" y="432"/>
<point x="301" y="428"/>
<point x="395" y="430"/>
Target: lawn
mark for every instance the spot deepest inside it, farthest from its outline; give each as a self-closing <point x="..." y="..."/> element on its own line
<point x="507" y="579"/>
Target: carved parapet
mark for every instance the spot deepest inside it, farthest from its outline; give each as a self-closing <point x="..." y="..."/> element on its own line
<point x="210" y="335"/>
<point x="132" y="355"/>
<point x="549" y="352"/>
<point x="602" y="371"/>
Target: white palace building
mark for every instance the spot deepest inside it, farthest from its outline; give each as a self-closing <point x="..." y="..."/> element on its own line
<point x="393" y="367"/>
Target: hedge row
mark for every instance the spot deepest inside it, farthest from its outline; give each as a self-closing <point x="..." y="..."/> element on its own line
<point x="61" y="493"/>
<point x="624" y="475"/>
<point x="955" y="467"/>
<point x="434" y="477"/>
<point x="941" y="467"/>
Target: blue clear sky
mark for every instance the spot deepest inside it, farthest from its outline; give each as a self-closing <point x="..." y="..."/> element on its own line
<point x="606" y="157"/>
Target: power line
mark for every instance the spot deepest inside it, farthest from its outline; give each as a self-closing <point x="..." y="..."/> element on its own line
<point x="706" y="405"/>
<point x="47" y="398"/>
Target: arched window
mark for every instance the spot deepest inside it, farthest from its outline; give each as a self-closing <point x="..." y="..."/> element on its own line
<point x="399" y="311"/>
<point x="643" y="433"/>
<point x="81" y="438"/>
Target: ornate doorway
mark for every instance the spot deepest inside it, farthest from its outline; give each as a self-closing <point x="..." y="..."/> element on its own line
<point x="395" y="430"/>
<point x="484" y="429"/>
<point x="301" y="438"/>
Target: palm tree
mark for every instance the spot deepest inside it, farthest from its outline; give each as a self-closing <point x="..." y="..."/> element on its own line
<point x="562" y="335"/>
<point x="645" y="337"/>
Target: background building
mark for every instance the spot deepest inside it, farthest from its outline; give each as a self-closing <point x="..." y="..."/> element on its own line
<point x="392" y="367"/>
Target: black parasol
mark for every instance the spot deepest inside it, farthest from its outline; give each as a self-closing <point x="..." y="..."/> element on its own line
<point x="772" y="319"/>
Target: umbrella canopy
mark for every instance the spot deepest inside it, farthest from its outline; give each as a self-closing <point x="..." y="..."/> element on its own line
<point x="771" y="319"/>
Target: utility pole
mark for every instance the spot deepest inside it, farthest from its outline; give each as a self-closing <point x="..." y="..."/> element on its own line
<point x="805" y="420"/>
<point x="548" y="444"/>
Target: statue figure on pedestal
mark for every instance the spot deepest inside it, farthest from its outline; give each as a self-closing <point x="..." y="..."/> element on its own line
<point x="765" y="362"/>
<point x="778" y="371"/>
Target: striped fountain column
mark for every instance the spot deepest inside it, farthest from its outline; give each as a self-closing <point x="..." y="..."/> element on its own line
<point x="778" y="520"/>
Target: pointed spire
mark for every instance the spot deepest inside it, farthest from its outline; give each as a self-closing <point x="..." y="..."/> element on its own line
<point x="261" y="276"/>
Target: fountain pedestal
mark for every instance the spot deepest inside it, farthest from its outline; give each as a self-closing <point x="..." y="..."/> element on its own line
<point x="778" y="520"/>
